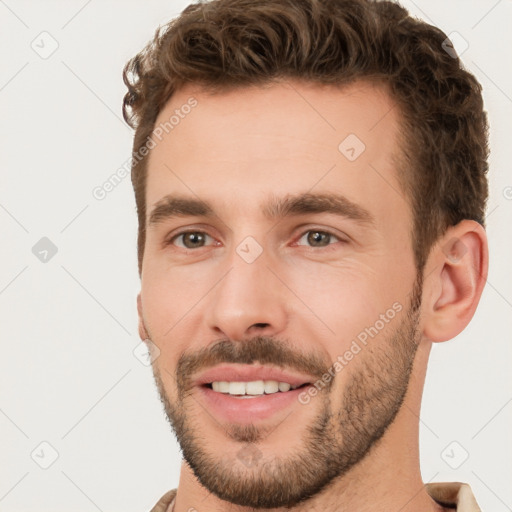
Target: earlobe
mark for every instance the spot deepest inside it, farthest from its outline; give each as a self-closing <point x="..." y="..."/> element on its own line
<point x="142" y="328"/>
<point x="460" y="264"/>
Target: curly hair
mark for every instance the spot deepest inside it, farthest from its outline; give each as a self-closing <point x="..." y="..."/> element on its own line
<point x="227" y="44"/>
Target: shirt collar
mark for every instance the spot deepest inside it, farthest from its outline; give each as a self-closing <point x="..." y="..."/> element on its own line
<point x="453" y="494"/>
<point x="448" y="494"/>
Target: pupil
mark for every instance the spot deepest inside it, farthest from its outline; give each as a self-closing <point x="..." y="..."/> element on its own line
<point x="316" y="236"/>
<point x="194" y="239"/>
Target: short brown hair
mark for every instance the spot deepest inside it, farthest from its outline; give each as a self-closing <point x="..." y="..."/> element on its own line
<point x="225" y="44"/>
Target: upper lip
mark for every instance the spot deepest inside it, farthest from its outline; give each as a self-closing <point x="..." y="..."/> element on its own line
<point x="247" y="373"/>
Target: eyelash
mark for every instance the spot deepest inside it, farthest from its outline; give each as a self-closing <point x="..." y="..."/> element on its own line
<point x="181" y="233"/>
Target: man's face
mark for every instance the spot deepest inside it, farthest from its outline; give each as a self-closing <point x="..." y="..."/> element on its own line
<point x="266" y="283"/>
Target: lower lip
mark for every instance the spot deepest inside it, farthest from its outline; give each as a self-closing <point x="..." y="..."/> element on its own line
<point x="235" y="409"/>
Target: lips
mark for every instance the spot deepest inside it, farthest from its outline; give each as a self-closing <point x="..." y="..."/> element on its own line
<point x="248" y="373"/>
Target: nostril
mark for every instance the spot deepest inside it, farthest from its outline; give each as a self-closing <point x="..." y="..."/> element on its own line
<point x="261" y="325"/>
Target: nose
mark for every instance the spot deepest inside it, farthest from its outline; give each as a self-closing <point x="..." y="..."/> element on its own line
<point x="248" y="301"/>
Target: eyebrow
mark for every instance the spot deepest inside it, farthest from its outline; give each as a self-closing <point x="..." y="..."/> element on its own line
<point x="172" y="206"/>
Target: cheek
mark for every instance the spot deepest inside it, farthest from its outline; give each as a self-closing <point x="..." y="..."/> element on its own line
<point x="347" y="300"/>
<point x="340" y="294"/>
<point x="160" y="300"/>
<point x="171" y="297"/>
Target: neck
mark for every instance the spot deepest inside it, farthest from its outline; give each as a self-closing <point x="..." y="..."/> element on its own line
<point x="388" y="478"/>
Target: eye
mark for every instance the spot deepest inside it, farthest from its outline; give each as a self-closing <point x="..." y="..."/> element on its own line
<point x="318" y="238"/>
<point x="197" y="239"/>
<point x="190" y="239"/>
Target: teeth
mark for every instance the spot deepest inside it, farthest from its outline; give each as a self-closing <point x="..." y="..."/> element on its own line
<point x="271" y="386"/>
<point x="236" y="388"/>
<point x="284" y="386"/>
<point x="254" y="388"/>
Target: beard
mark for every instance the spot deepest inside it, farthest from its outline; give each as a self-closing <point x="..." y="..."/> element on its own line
<point x="332" y="443"/>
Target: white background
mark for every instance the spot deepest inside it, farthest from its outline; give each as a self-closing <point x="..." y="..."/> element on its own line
<point x="68" y="326"/>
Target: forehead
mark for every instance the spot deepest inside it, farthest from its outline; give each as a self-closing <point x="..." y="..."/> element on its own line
<point x="242" y="145"/>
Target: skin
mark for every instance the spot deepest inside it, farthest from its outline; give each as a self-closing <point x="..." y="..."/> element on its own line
<point x="235" y="150"/>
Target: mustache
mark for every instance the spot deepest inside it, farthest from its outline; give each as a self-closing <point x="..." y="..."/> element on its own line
<point x="259" y="349"/>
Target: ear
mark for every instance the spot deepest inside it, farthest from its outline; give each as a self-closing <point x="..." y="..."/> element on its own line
<point x="142" y="328"/>
<point x="456" y="273"/>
